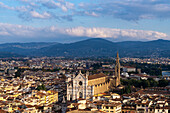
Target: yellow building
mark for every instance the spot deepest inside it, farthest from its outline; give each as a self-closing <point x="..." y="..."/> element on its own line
<point x="42" y="98"/>
<point x="48" y="97"/>
<point x="99" y="83"/>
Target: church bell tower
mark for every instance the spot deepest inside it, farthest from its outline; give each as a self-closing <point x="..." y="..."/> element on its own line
<point x="117" y="71"/>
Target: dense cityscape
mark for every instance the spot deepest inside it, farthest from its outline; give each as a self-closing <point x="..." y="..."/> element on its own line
<point x="58" y="84"/>
<point x="84" y="56"/>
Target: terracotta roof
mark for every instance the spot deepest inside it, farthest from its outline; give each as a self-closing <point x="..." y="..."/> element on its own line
<point x="96" y="76"/>
<point x="128" y="67"/>
<point x="105" y="70"/>
<point x="112" y="104"/>
<point x="141" y="75"/>
<point x="2" y="111"/>
<point x="166" y="107"/>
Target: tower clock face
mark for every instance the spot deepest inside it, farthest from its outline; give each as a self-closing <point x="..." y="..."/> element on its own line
<point x="80" y="83"/>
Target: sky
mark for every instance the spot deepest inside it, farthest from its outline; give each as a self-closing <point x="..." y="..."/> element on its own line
<point x="73" y="20"/>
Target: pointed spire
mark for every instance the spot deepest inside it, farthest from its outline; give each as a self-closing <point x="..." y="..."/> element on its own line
<point x="117" y="58"/>
<point x="80" y="71"/>
<point x="64" y="100"/>
<point x="117" y="54"/>
<point x="87" y="74"/>
<point x="74" y="74"/>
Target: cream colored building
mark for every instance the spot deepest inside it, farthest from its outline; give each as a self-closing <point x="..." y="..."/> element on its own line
<point x="112" y="108"/>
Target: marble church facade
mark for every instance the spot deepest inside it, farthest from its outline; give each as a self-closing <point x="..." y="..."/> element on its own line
<point x="86" y="85"/>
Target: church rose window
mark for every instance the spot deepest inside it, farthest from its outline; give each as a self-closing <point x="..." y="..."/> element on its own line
<point x="80" y="83"/>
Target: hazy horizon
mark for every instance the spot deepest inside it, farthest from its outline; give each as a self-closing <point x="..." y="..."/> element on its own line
<point x="77" y="41"/>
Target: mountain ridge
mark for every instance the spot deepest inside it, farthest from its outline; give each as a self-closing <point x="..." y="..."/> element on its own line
<point x="95" y="47"/>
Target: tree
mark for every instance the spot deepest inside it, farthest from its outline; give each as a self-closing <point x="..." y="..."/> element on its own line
<point x="18" y="73"/>
<point x="145" y="83"/>
<point x="163" y="83"/>
<point x="138" y="83"/>
<point x="41" y="87"/>
<point x="152" y="82"/>
<point x="126" y="90"/>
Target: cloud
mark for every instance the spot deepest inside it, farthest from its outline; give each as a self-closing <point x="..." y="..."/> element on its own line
<point x="115" y="33"/>
<point x="4" y="33"/>
<point x="44" y="15"/>
<point x="29" y="2"/>
<point x="13" y="30"/>
<point x="17" y="8"/>
<point x="60" y="4"/>
<point x="27" y="32"/>
<point x="131" y="10"/>
<point x="34" y="9"/>
<point x="2" y="5"/>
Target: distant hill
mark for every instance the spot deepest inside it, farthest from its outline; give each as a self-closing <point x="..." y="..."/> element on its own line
<point x="9" y="55"/>
<point x="86" y="48"/>
<point x="95" y="47"/>
<point x="26" y="49"/>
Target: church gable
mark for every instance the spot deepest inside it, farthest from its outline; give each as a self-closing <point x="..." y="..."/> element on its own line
<point x="80" y="76"/>
<point x="79" y="81"/>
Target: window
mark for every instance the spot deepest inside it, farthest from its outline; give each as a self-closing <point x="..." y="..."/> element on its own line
<point x="80" y="83"/>
<point x="70" y="97"/>
<point x="80" y="95"/>
<point x="107" y="107"/>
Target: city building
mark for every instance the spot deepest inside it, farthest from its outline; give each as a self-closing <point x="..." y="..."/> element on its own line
<point x="86" y="85"/>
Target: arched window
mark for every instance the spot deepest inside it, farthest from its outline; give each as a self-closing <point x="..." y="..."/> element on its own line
<point x="80" y="95"/>
<point x="70" y="97"/>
